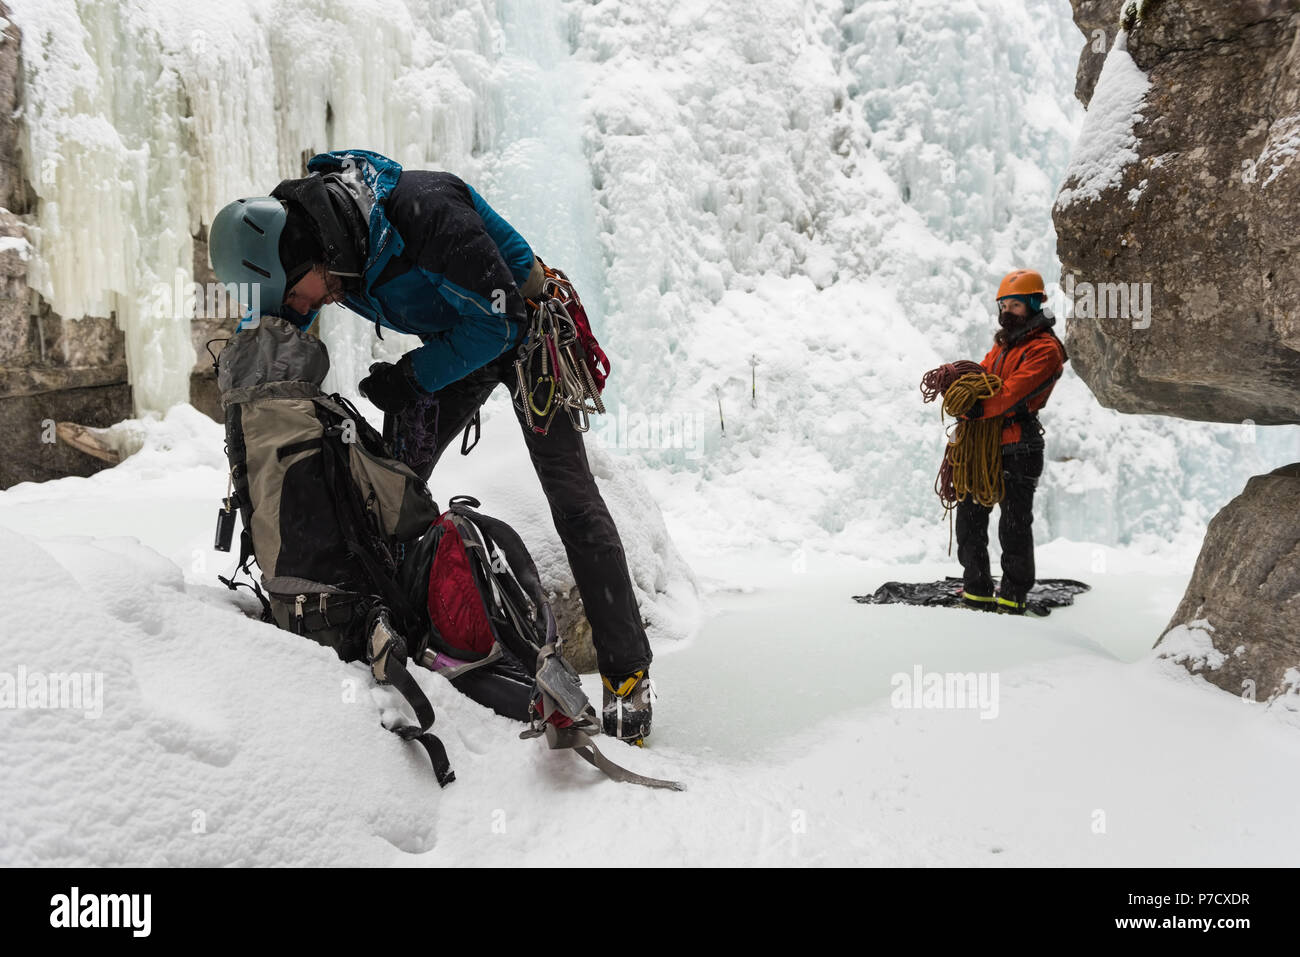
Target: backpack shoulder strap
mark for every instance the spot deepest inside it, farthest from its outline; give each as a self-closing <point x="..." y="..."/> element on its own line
<point x="387" y="653"/>
<point x="245" y="556"/>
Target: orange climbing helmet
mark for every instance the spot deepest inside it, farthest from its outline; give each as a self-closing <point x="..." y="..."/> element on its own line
<point x="1021" y="282"/>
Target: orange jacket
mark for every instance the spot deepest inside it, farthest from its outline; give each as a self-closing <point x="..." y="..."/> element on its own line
<point x="1032" y="364"/>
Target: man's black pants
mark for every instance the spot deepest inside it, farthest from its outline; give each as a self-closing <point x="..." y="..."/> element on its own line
<point x="1020" y="472"/>
<point x="590" y="538"/>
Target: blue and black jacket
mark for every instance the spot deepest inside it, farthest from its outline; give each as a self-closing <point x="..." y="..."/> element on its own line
<point x="439" y="263"/>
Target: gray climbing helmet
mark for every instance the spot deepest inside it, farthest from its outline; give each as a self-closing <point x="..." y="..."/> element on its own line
<point x="244" y="245"/>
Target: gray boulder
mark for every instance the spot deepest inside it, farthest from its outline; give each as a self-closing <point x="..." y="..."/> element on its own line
<point x="1239" y="623"/>
<point x="1203" y="218"/>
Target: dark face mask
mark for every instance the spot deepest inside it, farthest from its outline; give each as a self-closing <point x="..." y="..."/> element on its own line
<point x="1011" y="325"/>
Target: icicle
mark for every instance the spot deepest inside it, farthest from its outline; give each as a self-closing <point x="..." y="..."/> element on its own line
<point x="143" y="118"/>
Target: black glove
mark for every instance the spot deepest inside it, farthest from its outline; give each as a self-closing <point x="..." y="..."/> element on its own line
<point x="976" y="411"/>
<point x="391" y="386"/>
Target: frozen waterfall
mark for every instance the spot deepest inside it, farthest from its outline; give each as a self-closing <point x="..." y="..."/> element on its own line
<point x="779" y="216"/>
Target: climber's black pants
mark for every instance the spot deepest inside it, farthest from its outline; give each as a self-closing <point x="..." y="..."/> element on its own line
<point x="1020" y="473"/>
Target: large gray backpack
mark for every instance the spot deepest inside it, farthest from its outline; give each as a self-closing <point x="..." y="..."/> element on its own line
<point x="326" y="511"/>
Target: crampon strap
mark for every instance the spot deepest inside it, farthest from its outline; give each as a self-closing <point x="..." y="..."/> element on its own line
<point x="581" y="742"/>
<point x="568" y="728"/>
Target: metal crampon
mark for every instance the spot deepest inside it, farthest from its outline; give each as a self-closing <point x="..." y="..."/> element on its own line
<point x="551" y="369"/>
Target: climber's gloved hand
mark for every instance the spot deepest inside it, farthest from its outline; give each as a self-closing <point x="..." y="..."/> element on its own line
<point x="391" y="386"/>
<point x="976" y="411"/>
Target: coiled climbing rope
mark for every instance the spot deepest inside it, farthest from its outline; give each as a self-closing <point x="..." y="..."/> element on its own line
<point x="935" y="382"/>
<point x="974" y="454"/>
<point x="972" y="460"/>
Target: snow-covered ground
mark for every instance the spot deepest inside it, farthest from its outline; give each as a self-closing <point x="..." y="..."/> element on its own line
<point x="220" y="740"/>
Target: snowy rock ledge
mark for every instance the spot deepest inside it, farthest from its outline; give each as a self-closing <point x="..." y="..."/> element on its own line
<point x="1178" y="229"/>
<point x="1107" y="143"/>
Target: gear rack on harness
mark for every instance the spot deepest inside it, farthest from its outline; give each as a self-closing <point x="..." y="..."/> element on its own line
<point x="560" y="365"/>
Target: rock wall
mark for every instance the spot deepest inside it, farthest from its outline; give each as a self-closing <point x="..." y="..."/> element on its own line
<point x="1098" y="21"/>
<point x="55" y="368"/>
<point x="1204" y="216"/>
<point x="51" y="368"/>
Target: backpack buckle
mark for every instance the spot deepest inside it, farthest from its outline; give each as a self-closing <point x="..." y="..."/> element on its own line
<point x="383" y="645"/>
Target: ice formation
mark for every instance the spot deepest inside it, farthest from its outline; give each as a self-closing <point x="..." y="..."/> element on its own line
<point x="779" y="217"/>
<point x="144" y="117"/>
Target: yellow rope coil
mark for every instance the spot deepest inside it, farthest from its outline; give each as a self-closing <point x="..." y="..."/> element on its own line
<point x="975" y="449"/>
